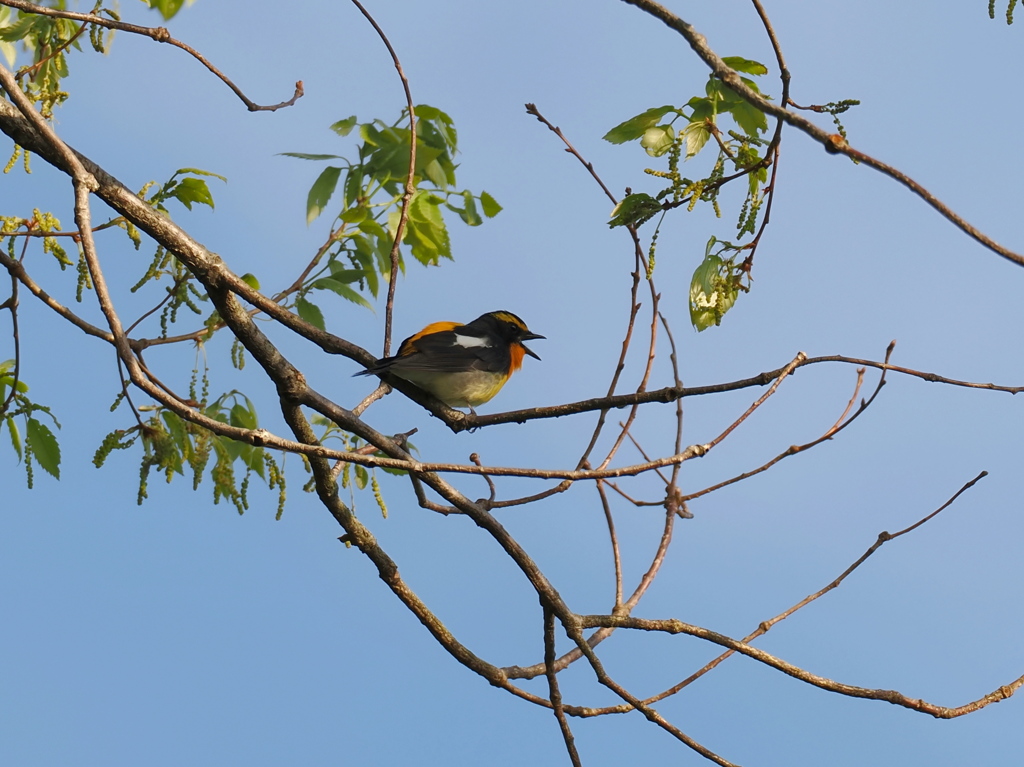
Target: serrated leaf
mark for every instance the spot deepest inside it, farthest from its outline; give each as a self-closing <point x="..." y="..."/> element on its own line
<point x="320" y="193"/>
<point x="19" y="30"/>
<point x="634" y="209"/>
<point x="433" y="171"/>
<point x="363" y="254"/>
<point x="353" y="186"/>
<point x="190" y="190"/>
<point x="658" y="140"/>
<point x="741" y="64"/>
<point x="703" y="108"/>
<point x="310" y="313"/>
<point x="426" y="233"/>
<point x="343" y="290"/>
<point x="354" y="215"/>
<point x="344" y="127"/>
<point x="9" y="52"/>
<point x="696" y="135"/>
<point x="635" y="127"/>
<point x="243" y="417"/>
<point x="712" y="293"/>
<point x="470" y="214"/>
<point x="750" y="119"/>
<point x="44" y="446"/>
<point x="722" y="97"/>
<point x="167" y="8"/>
<point x="442" y="123"/>
<point x="490" y="206"/>
<point x="338" y="272"/>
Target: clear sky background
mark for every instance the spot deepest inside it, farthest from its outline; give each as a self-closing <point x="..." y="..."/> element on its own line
<point x="181" y="633"/>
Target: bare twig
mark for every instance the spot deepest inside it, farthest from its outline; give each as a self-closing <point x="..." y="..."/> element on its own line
<point x="410" y="186"/>
<point x="765" y="626"/>
<point x="553" y="692"/>
<point x="158" y="34"/>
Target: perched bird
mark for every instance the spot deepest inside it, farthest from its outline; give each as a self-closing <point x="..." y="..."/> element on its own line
<point x="461" y="365"/>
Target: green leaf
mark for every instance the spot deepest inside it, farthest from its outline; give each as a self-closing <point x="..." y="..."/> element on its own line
<point x="696" y="135"/>
<point x="190" y="190"/>
<point x="354" y="215"/>
<point x="427" y="112"/>
<point x="168" y="8"/>
<point x="722" y="97"/>
<point x="713" y="290"/>
<point x="243" y="417"/>
<point x="344" y="127"/>
<point x="250" y="279"/>
<point x="19" y="30"/>
<point x="658" y="140"/>
<point x="310" y="313"/>
<point x="435" y="172"/>
<point x="703" y="108"/>
<point x="15" y="435"/>
<point x="741" y="64"/>
<point x="353" y="185"/>
<point x="634" y="209"/>
<point x="490" y="206"/>
<point x="44" y="446"/>
<point x="200" y="172"/>
<point x="320" y="193"/>
<point x="440" y="122"/>
<point x="635" y="127"/>
<point x="9" y="52"/>
<point x="750" y="119"/>
<point x="307" y="156"/>
<point x="470" y="214"/>
<point x="363" y="254"/>
<point x="343" y="290"/>
<point x="342" y="274"/>
<point x="362" y="477"/>
<point x="426" y="232"/>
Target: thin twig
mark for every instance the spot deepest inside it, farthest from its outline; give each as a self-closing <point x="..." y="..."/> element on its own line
<point x="475" y="458"/>
<point x="794" y="449"/>
<point x="553" y="692"/>
<point x="766" y="626"/>
<point x="613" y="538"/>
<point x="160" y="35"/>
<point x="410" y="186"/>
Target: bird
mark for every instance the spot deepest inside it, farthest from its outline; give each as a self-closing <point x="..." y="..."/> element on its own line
<point x="461" y="365"/>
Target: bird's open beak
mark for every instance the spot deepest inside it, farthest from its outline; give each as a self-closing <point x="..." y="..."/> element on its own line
<point x="530" y="337"/>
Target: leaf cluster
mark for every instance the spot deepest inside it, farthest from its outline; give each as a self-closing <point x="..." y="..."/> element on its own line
<point x="39" y="444"/>
<point x="171" y="445"/>
<point x="47" y="39"/>
<point x="716" y="284"/>
<point x="741" y="153"/>
<point x="372" y="189"/>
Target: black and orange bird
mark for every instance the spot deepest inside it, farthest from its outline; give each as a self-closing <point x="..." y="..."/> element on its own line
<point x="461" y="365"/>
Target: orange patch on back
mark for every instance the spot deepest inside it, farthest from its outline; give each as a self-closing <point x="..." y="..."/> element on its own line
<point x="434" y="327"/>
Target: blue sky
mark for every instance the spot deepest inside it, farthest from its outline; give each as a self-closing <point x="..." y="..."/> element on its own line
<point x="179" y="632"/>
